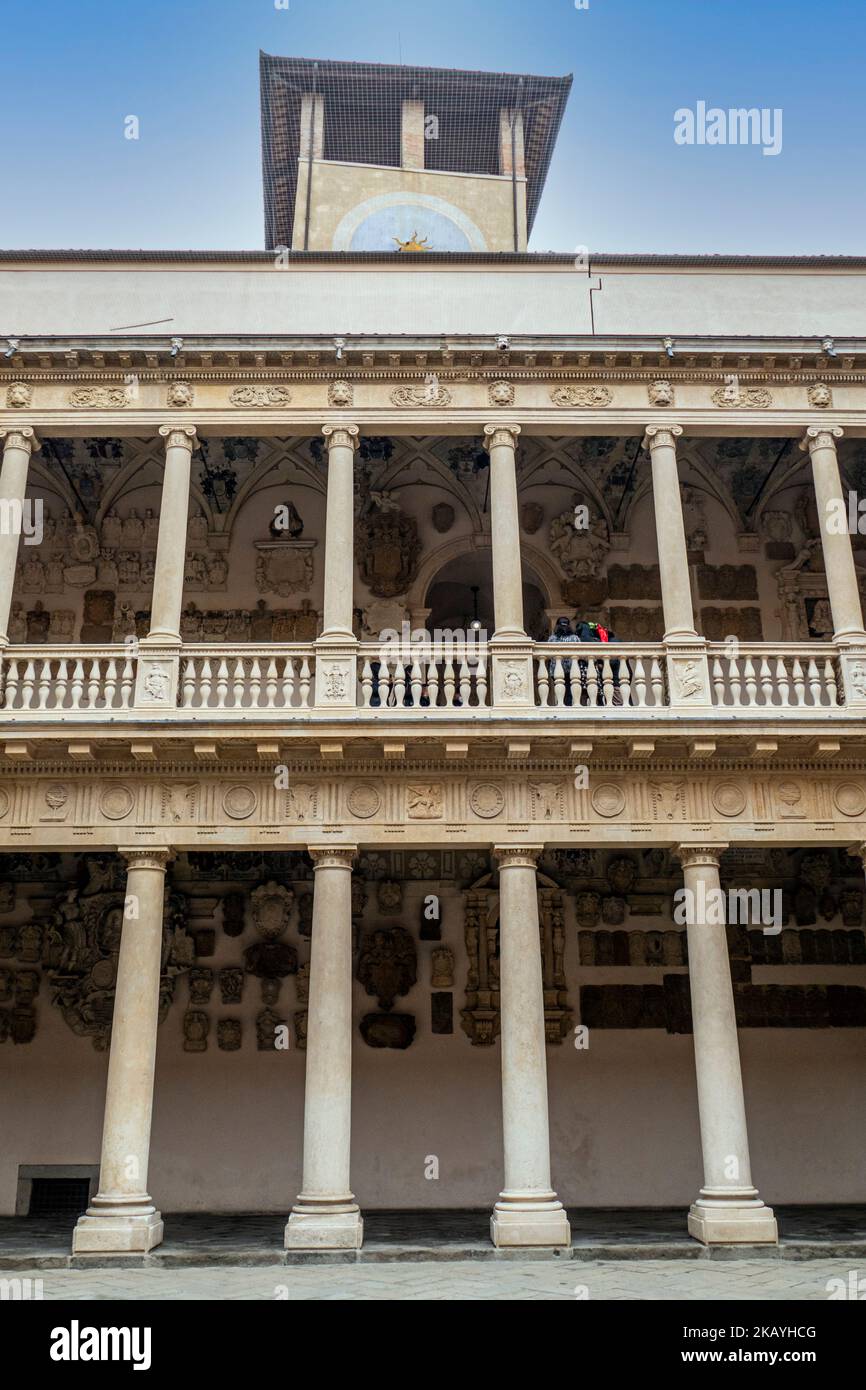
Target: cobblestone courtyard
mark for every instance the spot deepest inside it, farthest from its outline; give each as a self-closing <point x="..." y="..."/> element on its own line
<point x="765" y="1280"/>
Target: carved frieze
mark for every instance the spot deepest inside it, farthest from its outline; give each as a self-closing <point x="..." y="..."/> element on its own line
<point x="582" y="397"/>
<point x="260" y="397"/>
<point x="734" y="396"/>
<point x="431" y="395"/>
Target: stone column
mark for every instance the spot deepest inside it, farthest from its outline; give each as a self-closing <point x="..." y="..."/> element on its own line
<point x="167" y="601"/>
<point x="18" y="445"/>
<point x="326" y="1215"/>
<point x="122" y="1218"/>
<point x="528" y="1211"/>
<point x="336" y="648"/>
<point x="842" y="587"/>
<point x="661" y="440"/>
<point x="500" y="441"/>
<point x="729" y="1210"/>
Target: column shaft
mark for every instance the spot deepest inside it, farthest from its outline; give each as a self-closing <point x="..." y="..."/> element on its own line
<point x="342" y="442"/>
<point x="729" y="1209"/>
<point x="842" y="587"/>
<point x="167" y="602"/>
<point x="528" y="1211"/>
<point x="17" y="448"/>
<point x="671" y="534"/>
<point x="326" y="1216"/>
<point x="122" y="1216"/>
<point x="501" y="443"/>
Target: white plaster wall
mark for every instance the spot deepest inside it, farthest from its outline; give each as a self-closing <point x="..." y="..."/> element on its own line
<point x="326" y="300"/>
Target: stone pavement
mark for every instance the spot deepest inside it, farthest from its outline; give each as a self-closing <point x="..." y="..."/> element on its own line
<point x="647" y="1279"/>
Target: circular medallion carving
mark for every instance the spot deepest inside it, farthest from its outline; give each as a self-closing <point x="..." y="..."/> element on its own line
<point x="487" y="800"/>
<point x="116" y="802"/>
<point x="364" y="800"/>
<point x="102" y="975"/>
<point x="4" y="802"/>
<point x="608" y="799"/>
<point x="728" y="798"/>
<point x="850" y="799"/>
<point x="239" y="802"/>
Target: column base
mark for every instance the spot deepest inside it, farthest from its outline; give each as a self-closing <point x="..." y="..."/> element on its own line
<point x="324" y="1226"/>
<point x="737" y="1222"/>
<point x="529" y="1221"/>
<point x="117" y="1234"/>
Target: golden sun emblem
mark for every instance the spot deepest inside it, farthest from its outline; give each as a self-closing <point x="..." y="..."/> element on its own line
<point x="413" y="244"/>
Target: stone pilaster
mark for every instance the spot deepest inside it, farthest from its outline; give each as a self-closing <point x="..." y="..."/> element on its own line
<point x="18" y="445"/>
<point x="729" y="1209"/>
<point x="528" y="1212"/>
<point x="326" y="1215"/>
<point x="122" y="1218"/>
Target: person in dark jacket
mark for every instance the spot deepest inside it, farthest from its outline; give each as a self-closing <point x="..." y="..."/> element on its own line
<point x="562" y="632"/>
<point x="594" y="632"/>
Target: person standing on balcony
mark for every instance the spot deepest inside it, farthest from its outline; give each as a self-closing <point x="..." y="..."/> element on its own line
<point x="562" y="632"/>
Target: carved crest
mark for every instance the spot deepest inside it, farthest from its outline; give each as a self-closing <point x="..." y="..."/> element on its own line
<point x="387" y="966"/>
<point x="388" y="551"/>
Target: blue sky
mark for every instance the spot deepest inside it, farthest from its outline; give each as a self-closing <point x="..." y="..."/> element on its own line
<point x="71" y="73"/>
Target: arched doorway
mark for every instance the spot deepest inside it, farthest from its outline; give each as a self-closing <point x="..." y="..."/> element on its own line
<point x="463" y="591"/>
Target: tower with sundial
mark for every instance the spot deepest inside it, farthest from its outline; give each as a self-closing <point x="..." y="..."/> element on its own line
<point x="369" y="157"/>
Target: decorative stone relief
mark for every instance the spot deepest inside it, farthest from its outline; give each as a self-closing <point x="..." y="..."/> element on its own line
<point x="303" y="801"/>
<point x="200" y="985"/>
<point x="546" y="801"/>
<point x="608" y="800"/>
<point x="388" y="1030"/>
<point x="820" y="395"/>
<point x="229" y="1033"/>
<point x="501" y="393"/>
<point x="425" y="801"/>
<point x="19" y="396"/>
<point x="389" y="898"/>
<point x="728" y="798"/>
<point x="581" y="553"/>
<point x="389" y="549"/>
<point x="363" y="800"/>
<point x="487" y="799"/>
<point x="585" y="397"/>
<point x="260" y="397"/>
<point x="421" y="397"/>
<point x="443" y="517"/>
<point x="179" y="395"/>
<point x="661" y="393"/>
<point x="531" y="517"/>
<point x="284" y="567"/>
<point x="341" y="393"/>
<point x="442" y="968"/>
<point x="687" y="675"/>
<point x="668" y="800"/>
<point x="387" y="966"/>
<point x="239" y="802"/>
<point x="99" y="398"/>
<point x="736" y="397"/>
<point x="271" y="907"/>
<point x="267" y="1023"/>
<point x="231" y="979"/>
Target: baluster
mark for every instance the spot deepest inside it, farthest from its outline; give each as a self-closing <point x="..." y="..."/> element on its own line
<point x="543" y="680"/>
<point x="448" y="683"/>
<point x="61" y="685"/>
<point x="433" y="684"/>
<point x="607" y="680"/>
<point x="622" y="692"/>
<point x="657" y="681"/>
<point x="11" y="684"/>
<point x="766" y="682"/>
<point x="110" y="683"/>
<point x="830" y="681"/>
<point x="366" y="683"/>
<point x="77" y="685"/>
<point x="205" y="684"/>
<point x="592" y="688"/>
<point x="481" y="681"/>
<point x="305" y="684"/>
<point x="255" y="683"/>
<point x="127" y="683"/>
<point x="288" y="682"/>
<point x="188" y="685"/>
<point x="783" y="685"/>
<point x="814" y="681"/>
<point x="44" y="684"/>
<point x="637" y="685"/>
<point x="398" y="689"/>
<point x="94" y="682"/>
<point x="27" y="685"/>
<point x="238" y="684"/>
<point x="559" y="682"/>
<point x="222" y="684"/>
<point x="465" y="681"/>
<point x="417" y="682"/>
<point x="719" y="681"/>
<point x="751" y="681"/>
<point x="799" y="684"/>
<point x="271" y="685"/>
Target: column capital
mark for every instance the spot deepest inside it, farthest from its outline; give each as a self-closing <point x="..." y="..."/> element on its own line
<point x="517" y="856"/>
<point x="179" y="436"/>
<point x="500" y="435"/>
<point x="821" y="437"/>
<point x="341" y="436"/>
<point x="20" y="437"/>
<point x="158" y="859"/>
<point x="858" y="852"/>
<point x="699" y="856"/>
<point x="332" y="856"/>
<point x="658" y="435"/>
